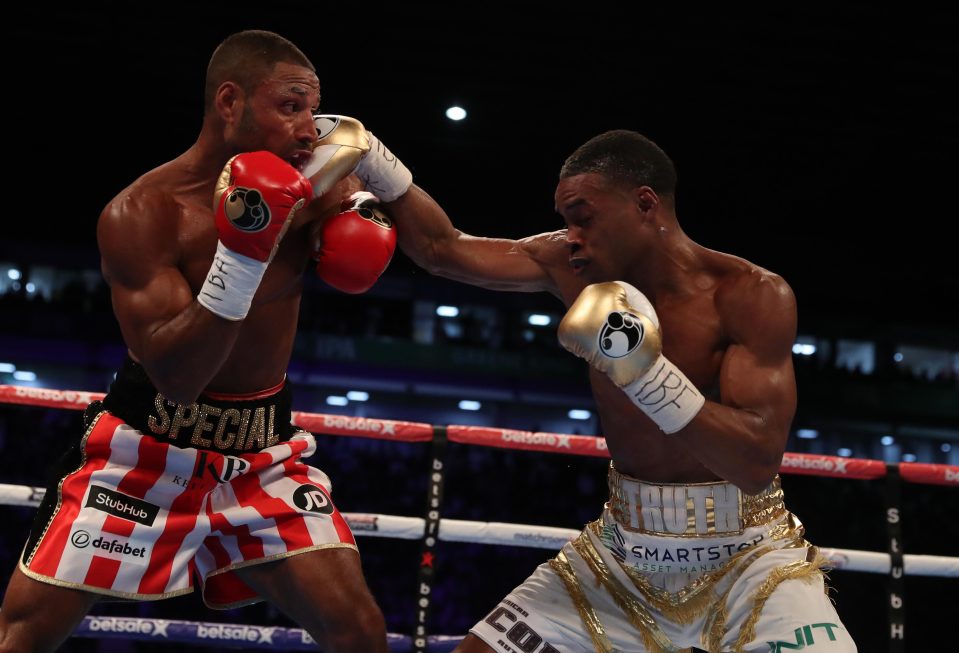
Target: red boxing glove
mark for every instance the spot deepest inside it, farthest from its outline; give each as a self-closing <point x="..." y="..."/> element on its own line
<point x="256" y="196"/>
<point x="355" y="246"/>
<point x="255" y="199"/>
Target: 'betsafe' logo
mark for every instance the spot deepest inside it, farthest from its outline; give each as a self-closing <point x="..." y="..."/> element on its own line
<point x="621" y="334"/>
<point x="231" y="632"/>
<point x="312" y="499"/>
<point x="130" y="625"/>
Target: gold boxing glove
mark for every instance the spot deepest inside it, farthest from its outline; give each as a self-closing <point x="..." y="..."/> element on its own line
<point x="343" y="146"/>
<point x="615" y="329"/>
<point x="340" y="144"/>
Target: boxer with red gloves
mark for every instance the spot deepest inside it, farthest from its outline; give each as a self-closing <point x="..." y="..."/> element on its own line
<point x="204" y="257"/>
<point x="255" y="199"/>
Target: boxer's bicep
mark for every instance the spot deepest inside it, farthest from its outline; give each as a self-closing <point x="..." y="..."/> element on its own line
<point x="757" y="371"/>
<point x="138" y="262"/>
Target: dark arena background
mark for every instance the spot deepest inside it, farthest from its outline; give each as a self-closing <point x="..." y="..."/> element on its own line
<point x="819" y="144"/>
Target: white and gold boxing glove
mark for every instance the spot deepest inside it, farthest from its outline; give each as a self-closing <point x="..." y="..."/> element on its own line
<point x="343" y="146"/>
<point x="615" y="329"/>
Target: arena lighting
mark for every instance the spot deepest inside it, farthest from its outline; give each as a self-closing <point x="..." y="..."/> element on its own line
<point x="14" y="274"/>
<point x="945" y="447"/>
<point x="336" y="400"/>
<point x="31" y="288"/>
<point x="8" y="368"/>
<point x="456" y="113"/>
<point x="23" y="375"/>
<point x="886" y="440"/>
<point x="845" y="452"/>
<point x="358" y="395"/>
<point x="578" y="413"/>
<point x="469" y="404"/>
<point x="537" y="319"/>
<point x="807" y="434"/>
<point x="908" y="457"/>
<point x="897" y="357"/>
<point x="447" y="311"/>
<point x="804" y="350"/>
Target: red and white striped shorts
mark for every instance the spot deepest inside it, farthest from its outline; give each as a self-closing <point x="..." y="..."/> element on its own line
<point x="139" y="518"/>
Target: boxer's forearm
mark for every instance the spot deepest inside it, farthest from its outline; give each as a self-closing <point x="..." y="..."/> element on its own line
<point x="424" y="231"/>
<point x="738" y="445"/>
<point x="182" y="355"/>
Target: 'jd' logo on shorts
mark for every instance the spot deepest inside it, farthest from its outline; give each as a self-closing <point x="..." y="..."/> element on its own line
<point x="312" y="499"/>
<point x="804" y="638"/>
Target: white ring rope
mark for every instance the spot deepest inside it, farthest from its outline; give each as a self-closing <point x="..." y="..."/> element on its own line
<point x="545" y="537"/>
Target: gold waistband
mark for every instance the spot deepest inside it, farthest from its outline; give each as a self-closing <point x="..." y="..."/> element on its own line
<point x="690" y="509"/>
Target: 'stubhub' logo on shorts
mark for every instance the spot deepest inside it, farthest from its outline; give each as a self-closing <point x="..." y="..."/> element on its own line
<point x="114" y="548"/>
<point x="312" y="499"/>
<point x="621" y="334"/>
<point x="121" y="505"/>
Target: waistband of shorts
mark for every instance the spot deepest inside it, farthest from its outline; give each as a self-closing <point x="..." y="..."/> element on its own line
<point x="716" y="508"/>
<point x="215" y="422"/>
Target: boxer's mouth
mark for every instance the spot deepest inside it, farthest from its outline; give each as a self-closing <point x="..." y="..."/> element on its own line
<point x="299" y="158"/>
<point x="578" y="264"/>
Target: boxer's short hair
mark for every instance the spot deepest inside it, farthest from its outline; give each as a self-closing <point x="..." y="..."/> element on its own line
<point x="247" y="58"/>
<point x="625" y="158"/>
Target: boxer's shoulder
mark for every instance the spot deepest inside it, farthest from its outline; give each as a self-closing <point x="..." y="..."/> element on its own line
<point x="749" y="296"/>
<point x="139" y="225"/>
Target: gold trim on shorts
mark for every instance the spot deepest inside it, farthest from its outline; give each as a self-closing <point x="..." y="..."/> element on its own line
<point x="260" y="561"/>
<point x="704" y="596"/>
<point x="56" y="510"/>
<point x="562" y="567"/>
<point x="690" y="509"/>
<point x="93" y="589"/>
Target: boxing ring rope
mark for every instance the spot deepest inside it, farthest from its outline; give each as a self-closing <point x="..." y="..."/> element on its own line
<point x="453" y="530"/>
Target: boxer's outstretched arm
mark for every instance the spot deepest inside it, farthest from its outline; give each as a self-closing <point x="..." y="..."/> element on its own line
<point x="426" y="235"/>
<point x="180" y="343"/>
<point x="742" y="438"/>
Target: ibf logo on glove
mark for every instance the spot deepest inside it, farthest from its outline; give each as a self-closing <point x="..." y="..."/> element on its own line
<point x="621" y="334"/>
<point x="246" y="209"/>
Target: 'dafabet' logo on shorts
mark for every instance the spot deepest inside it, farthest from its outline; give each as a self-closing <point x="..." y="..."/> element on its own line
<point x="312" y="499"/>
<point x="114" y="548"/>
<point x="80" y="539"/>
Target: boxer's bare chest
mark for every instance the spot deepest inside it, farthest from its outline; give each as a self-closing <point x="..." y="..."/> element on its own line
<point x="694" y="340"/>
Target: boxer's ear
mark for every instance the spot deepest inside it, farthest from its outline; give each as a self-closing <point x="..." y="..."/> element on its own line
<point x="645" y="198"/>
<point x="228" y="102"/>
